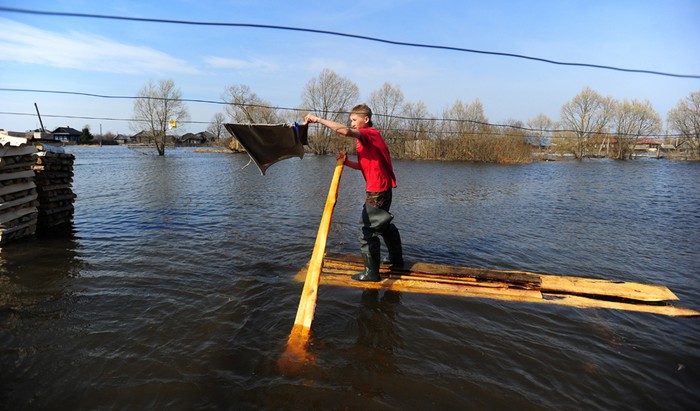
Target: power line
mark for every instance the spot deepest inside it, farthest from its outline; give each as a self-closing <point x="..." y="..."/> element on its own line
<point x="429" y="131"/>
<point x="305" y="110"/>
<point x="302" y="110"/>
<point x="347" y="35"/>
<point x="435" y="131"/>
<point x="92" y="118"/>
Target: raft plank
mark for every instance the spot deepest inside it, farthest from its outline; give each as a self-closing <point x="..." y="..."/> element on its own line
<point x="413" y="285"/>
<point x="543" y="282"/>
<point x="443" y="272"/>
<point x="584" y="302"/>
<point x="621" y="289"/>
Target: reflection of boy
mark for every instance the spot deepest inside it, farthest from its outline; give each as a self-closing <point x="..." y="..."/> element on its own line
<point x="374" y="161"/>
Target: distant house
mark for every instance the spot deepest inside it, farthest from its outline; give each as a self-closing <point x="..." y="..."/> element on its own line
<point x="123" y="139"/>
<point x="195" y="139"/>
<point x="142" y="137"/>
<point x="539" y="142"/>
<point x="668" y="148"/>
<point x="647" y="145"/>
<point x="66" y="134"/>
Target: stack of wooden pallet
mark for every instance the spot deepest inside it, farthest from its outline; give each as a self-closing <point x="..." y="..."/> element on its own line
<point x="18" y="194"/>
<point x="54" y="185"/>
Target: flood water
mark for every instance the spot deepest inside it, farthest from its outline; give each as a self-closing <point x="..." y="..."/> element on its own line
<point x="175" y="289"/>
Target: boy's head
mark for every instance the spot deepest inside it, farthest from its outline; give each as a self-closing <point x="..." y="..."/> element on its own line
<point x="361" y="116"/>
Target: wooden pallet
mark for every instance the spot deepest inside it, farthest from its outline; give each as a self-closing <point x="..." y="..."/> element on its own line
<point x="507" y="285"/>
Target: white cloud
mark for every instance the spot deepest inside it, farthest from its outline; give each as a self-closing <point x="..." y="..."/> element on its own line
<point x="231" y="63"/>
<point x="22" y="43"/>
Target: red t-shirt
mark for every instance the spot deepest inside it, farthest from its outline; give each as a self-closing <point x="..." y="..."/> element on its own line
<point x="375" y="161"/>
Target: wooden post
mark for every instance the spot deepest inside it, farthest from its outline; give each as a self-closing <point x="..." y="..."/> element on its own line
<point x="299" y="337"/>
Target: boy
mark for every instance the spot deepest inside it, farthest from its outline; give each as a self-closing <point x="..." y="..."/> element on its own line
<point x="374" y="161"/>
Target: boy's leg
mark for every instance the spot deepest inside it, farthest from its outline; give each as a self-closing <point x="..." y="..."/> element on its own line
<point x="392" y="239"/>
<point x="374" y="220"/>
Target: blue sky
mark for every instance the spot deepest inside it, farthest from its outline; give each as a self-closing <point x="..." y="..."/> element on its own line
<point x="118" y="57"/>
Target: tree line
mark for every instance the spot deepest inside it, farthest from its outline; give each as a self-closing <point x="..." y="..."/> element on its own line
<point x="590" y="125"/>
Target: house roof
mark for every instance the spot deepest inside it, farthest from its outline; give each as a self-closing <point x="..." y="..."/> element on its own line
<point x="649" y="141"/>
<point x="66" y="131"/>
<point x="202" y="135"/>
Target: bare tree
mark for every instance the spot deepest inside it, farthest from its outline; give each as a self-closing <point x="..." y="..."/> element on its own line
<point x="684" y="119"/>
<point x="419" y="129"/>
<point x="632" y="120"/>
<point x="464" y="118"/>
<point x="585" y="116"/>
<point x="462" y="124"/>
<point x="386" y="104"/>
<point x="542" y="123"/>
<point x="246" y="107"/>
<point x="155" y="107"/>
<point x="330" y="96"/>
<point x="542" y="129"/>
<point x="216" y="126"/>
<point x="222" y="138"/>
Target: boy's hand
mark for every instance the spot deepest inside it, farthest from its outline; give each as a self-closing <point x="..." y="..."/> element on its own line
<point x="311" y="118"/>
<point x="340" y="155"/>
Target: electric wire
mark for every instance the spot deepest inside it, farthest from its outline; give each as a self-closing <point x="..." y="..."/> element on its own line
<point x="346" y="35"/>
<point x="301" y="110"/>
<point x="434" y="130"/>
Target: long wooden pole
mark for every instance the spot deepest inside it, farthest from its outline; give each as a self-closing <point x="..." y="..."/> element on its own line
<point x="299" y="337"/>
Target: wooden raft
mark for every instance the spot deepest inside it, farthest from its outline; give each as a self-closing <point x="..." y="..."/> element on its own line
<point x="507" y="285"/>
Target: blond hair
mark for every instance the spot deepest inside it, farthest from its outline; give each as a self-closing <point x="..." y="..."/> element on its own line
<point x="363" y="110"/>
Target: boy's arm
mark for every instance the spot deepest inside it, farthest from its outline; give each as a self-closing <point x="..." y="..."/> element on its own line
<point x="352" y="164"/>
<point x="341" y="129"/>
<point x="348" y="162"/>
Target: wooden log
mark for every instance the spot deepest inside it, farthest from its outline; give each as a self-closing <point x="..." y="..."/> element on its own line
<point x="55" y="187"/>
<point x="55" y="208"/>
<point x="56" y="197"/>
<point x="299" y="336"/>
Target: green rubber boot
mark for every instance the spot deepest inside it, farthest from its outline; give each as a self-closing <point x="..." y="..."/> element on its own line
<point x="371" y="271"/>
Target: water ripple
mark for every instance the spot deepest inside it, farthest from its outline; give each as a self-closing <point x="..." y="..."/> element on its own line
<point x="174" y="289"/>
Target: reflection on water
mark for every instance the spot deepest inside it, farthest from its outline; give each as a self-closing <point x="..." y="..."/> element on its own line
<point x="174" y="289"/>
<point x="376" y="335"/>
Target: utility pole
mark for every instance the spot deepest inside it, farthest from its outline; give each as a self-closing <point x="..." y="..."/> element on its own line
<point x="40" y="122"/>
